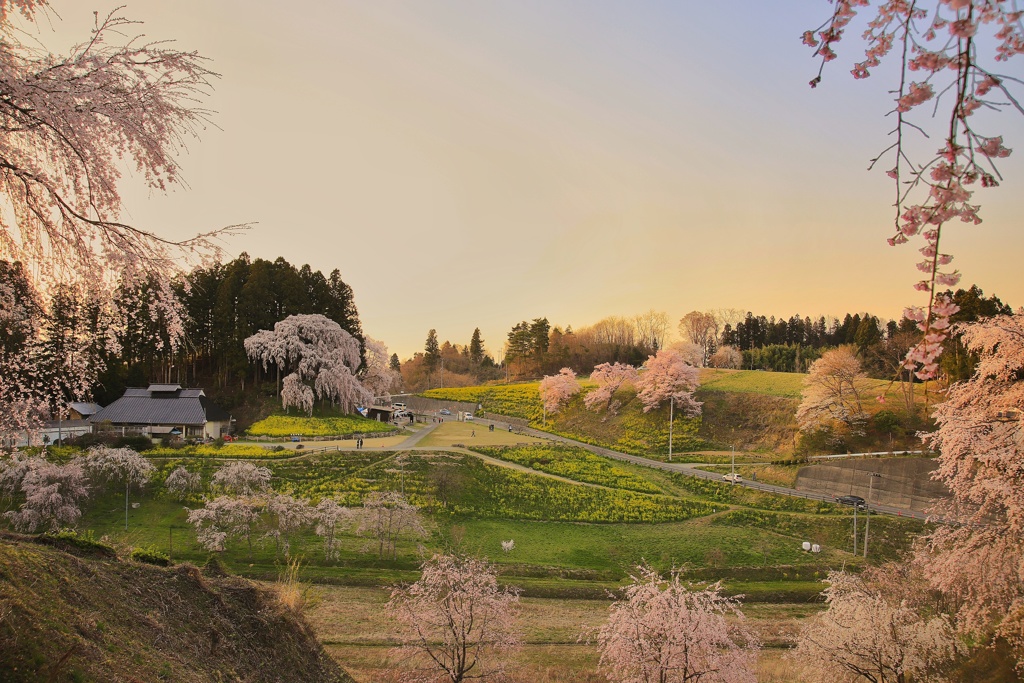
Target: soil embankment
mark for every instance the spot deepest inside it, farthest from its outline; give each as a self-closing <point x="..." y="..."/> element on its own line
<point x="84" y="615"/>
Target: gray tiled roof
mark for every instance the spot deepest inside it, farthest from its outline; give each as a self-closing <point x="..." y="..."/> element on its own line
<point x="85" y="408"/>
<point x="164" y="387"/>
<point x="178" y="407"/>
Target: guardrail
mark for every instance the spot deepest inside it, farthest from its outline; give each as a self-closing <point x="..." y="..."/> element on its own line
<point x="923" y="454"/>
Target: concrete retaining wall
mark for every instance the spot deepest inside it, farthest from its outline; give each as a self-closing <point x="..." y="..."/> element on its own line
<point x="904" y="482"/>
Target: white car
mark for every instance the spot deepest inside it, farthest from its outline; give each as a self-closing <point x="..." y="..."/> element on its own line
<point x="734" y="478"/>
<point x="468" y="416"/>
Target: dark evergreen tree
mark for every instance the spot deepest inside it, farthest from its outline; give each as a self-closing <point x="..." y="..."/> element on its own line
<point x="476" y="347"/>
<point x="540" y="328"/>
<point x="431" y="352"/>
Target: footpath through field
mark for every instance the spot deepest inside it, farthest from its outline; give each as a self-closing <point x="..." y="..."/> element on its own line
<point x="691" y="470"/>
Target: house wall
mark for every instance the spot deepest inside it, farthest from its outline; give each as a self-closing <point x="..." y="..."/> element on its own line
<point x="214" y="430"/>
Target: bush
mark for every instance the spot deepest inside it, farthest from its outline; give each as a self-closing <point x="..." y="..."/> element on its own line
<point x="93" y="439"/>
<point x="71" y="541"/>
<point x="887" y="422"/>
<point x="215" y="566"/>
<point x="150" y="556"/>
<point x="136" y="443"/>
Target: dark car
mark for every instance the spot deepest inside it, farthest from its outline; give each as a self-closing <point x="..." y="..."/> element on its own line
<point x="855" y="501"/>
<point x="444" y="411"/>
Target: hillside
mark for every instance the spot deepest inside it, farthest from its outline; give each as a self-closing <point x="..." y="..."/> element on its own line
<point x="753" y="410"/>
<point x="91" y="617"/>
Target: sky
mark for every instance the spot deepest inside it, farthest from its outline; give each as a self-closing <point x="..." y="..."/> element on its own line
<point x="473" y="164"/>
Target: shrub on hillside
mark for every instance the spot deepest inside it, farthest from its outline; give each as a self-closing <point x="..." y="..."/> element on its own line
<point x="74" y="542"/>
<point x="150" y="556"/>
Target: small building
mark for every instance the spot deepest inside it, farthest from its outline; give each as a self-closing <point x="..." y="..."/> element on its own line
<point x="161" y="410"/>
<point x="83" y="411"/>
<point x="71" y="423"/>
<point x="380" y="413"/>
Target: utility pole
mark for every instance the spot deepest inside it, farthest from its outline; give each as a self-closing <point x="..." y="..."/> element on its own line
<point x="671" y="410"/>
<point x="855" y="506"/>
<point x="867" y="524"/>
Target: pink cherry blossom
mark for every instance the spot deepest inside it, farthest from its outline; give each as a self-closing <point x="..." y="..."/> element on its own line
<point x="932" y="193"/>
<point x="313" y="348"/>
<point x="456" y="621"/>
<point x="664" y="630"/>
<point x="556" y="390"/>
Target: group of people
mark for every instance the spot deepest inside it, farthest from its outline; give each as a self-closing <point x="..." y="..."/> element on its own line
<point x="359" y="442"/>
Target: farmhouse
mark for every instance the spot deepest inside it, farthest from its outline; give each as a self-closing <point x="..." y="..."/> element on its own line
<point x="163" y="409"/>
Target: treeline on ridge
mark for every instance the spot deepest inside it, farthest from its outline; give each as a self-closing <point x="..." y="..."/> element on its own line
<point x="720" y="338"/>
<point x="191" y="333"/>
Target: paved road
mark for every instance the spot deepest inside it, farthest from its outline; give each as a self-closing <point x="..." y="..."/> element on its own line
<point x="415" y="438"/>
<point x="691" y="469"/>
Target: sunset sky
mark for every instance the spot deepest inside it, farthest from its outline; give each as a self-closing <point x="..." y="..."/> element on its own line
<point x="472" y="164"/>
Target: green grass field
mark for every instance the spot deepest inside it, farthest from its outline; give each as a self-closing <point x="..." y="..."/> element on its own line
<point x="575" y="544"/>
<point x="573" y="463"/>
<point x="580" y="523"/>
<point x="785" y="384"/>
<point x="566" y="534"/>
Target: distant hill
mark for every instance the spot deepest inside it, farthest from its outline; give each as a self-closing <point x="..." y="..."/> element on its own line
<point x="84" y="615"/>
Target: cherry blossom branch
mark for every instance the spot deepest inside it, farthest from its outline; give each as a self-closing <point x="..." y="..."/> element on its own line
<point x="967" y="157"/>
<point x="69" y="121"/>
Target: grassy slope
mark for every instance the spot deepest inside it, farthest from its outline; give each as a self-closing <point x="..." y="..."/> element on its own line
<point x="482" y="511"/>
<point x="64" y="617"/>
<point x="752" y="409"/>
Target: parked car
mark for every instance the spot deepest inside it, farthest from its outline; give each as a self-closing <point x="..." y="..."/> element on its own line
<point x="398" y="406"/>
<point x="734" y="478"/>
<point x="855" y="501"/>
<point x="468" y="416"/>
<point x="444" y="411"/>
